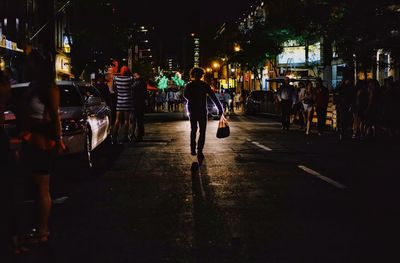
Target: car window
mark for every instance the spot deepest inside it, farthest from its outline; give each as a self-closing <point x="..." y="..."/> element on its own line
<point x="16" y="96"/>
<point x="69" y="96"/>
<point x="258" y="95"/>
<point x="89" y="91"/>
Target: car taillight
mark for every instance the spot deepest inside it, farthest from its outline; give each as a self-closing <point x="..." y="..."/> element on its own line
<point x="10" y="123"/>
<point x="71" y="125"/>
<point x="9" y="116"/>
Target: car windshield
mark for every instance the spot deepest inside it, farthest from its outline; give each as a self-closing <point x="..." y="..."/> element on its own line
<point x="70" y="96"/>
<point x="257" y="95"/>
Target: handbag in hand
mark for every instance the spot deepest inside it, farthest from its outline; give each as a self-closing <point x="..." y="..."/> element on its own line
<point x="223" y="128"/>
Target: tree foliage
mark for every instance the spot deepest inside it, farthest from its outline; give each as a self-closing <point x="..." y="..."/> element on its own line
<point x="353" y="28"/>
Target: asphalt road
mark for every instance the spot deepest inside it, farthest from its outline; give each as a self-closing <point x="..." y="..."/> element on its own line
<point x="261" y="195"/>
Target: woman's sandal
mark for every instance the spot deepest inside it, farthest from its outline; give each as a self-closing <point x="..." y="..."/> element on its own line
<point x="18" y="248"/>
<point x="35" y="238"/>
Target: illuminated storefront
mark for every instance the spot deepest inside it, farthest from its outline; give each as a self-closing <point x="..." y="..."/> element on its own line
<point x="10" y="56"/>
<point x="63" y="67"/>
<point x="298" y="60"/>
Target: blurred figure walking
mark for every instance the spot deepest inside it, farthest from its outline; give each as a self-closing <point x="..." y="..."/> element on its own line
<point x="344" y="100"/>
<point x="321" y="105"/>
<point x="285" y="96"/>
<point x="307" y="98"/>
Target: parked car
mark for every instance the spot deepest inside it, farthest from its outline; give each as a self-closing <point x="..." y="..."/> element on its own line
<point x="85" y="117"/>
<point x="260" y="101"/>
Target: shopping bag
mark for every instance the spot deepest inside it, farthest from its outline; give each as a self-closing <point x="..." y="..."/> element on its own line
<point x="223" y="128"/>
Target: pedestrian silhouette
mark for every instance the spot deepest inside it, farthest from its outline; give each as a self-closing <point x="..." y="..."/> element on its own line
<point x="139" y="104"/>
<point x="196" y="93"/>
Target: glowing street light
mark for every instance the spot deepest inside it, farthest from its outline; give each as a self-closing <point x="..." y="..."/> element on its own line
<point x="236" y="48"/>
<point x="208" y="70"/>
<point x="216" y="65"/>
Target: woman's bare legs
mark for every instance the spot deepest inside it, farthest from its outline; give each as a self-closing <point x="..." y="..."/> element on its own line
<point x="42" y="184"/>
<point x="310" y="115"/>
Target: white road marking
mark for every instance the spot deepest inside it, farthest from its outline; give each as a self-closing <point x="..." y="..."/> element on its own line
<point x="55" y="201"/>
<point x="259" y="145"/>
<point x="322" y="177"/>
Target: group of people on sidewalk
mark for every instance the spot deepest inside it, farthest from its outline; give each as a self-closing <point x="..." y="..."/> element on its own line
<point x="230" y="101"/>
<point x="365" y="108"/>
<point x="303" y="102"/>
<point x="169" y="100"/>
<point x="130" y="105"/>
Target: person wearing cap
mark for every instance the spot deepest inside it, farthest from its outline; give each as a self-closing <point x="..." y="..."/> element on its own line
<point x="196" y="93"/>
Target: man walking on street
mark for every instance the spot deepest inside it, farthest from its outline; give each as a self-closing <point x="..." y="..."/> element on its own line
<point x="285" y="96"/>
<point x="344" y="99"/>
<point x="196" y="95"/>
<point x="321" y="105"/>
<point x="139" y="105"/>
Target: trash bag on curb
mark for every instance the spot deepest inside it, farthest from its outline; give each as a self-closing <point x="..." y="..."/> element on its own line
<point x="223" y="128"/>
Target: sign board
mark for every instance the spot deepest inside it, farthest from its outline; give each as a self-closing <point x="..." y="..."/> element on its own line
<point x="8" y="44"/>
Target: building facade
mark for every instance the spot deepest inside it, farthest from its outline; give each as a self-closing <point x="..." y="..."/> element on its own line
<point x="39" y="22"/>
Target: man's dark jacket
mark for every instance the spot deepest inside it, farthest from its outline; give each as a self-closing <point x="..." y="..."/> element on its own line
<point x="196" y="95"/>
<point x="139" y="95"/>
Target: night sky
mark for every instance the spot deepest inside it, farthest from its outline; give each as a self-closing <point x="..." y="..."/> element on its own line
<point x="174" y="18"/>
<point x="188" y="15"/>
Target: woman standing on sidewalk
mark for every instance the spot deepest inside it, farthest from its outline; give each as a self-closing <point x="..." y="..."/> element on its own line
<point x="7" y="228"/>
<point x="307" y="98"/>
<point x="124" y="86"/>
<point x="41" y="137"/>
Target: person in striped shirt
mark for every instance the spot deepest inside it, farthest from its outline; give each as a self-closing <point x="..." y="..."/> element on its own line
<point x="123" y="85"/>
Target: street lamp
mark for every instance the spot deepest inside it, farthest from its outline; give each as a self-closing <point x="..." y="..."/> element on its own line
<point x="216" y="65"/>
<point x="236" y="48"/>
<point x="215" y="68"/>
<point x="208" y="75"/>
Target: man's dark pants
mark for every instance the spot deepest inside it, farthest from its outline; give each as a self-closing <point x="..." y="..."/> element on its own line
<point x="198" y="121"/>
<point x="138" y="122"/>
<point x="321" y="116"/>
<point x="286" y="107"/>
<point x="343" y="118"/>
